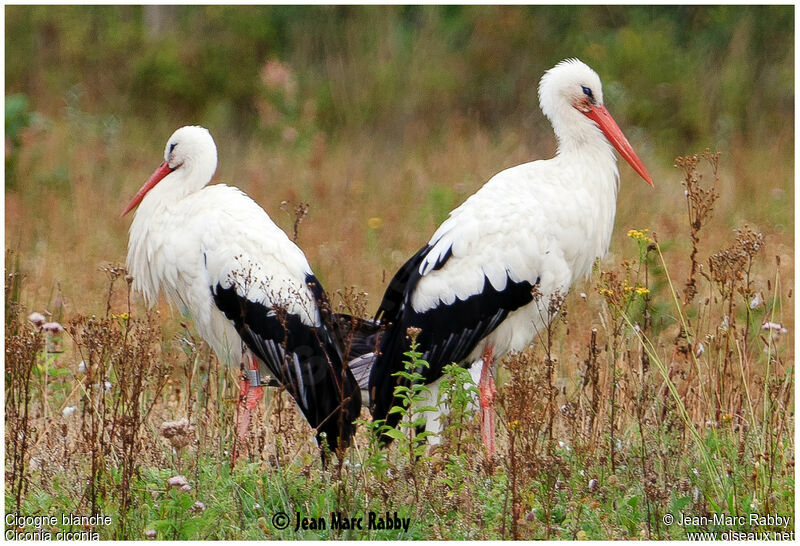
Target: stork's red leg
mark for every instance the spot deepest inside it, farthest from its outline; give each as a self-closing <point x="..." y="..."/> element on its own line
<point x="487" y="391"/>
<point x="249" y="397"/>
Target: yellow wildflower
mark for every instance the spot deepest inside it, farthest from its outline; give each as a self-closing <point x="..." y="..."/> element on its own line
<point x="640" y="235"/>
<point x="635" y="234"/>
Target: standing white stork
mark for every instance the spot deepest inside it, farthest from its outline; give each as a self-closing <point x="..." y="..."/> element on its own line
<point x="541" y="224"/>
<point x="219" y="257"/>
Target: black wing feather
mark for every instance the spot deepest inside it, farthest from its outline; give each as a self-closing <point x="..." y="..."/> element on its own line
<point x="449" y="332"/>
<point x="304" y="359"/>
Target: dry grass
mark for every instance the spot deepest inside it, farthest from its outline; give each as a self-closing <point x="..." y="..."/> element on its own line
<point x="638" y="412"/>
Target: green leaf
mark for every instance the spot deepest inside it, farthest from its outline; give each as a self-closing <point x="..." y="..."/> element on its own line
<point x="680" y="503"/>
<point x="395" y="434"/>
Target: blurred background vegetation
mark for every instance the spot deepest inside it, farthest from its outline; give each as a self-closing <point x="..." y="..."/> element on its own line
<point x="692" y="75"/>
<point x="389" y="114"/>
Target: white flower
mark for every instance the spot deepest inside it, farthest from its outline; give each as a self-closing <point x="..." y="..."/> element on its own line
<point x="177" y="481"/>
<point x="52" y="327"/>
<point x="68" y="411"/>
<point x="756" y="301"/>
<point x="107" y="385"/>
<point x="37" y="319"/>
<point x="82" y="366"/>
<point x="700" y="350"/>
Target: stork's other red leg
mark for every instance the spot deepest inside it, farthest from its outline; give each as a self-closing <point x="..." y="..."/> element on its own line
<point x="487" y="391"/>
<point x="249" y="397"/>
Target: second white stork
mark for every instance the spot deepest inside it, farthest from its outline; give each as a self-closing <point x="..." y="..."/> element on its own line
<point x="536" y="227"/>
<point x="218" y="256"/>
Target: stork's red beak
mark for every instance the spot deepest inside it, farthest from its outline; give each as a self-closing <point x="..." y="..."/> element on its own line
<point x="154" y="179"/>
<point x="613" y="133"/>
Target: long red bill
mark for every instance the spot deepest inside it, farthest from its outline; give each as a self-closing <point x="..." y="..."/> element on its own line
<point x="600" y="115"/>
<point x="154" y="179"/>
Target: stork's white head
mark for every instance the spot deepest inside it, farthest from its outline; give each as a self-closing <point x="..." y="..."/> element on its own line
<point x="571" y="96"/>
<point x="190" y="160"/>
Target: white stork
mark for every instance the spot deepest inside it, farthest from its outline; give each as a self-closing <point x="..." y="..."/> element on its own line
<point x="219" y="258"/>
<point x="541" y="224"/>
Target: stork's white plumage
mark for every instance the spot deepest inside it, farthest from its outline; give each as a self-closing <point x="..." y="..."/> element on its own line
<point x="541" y="224"/>
<point x="219" y="258"/>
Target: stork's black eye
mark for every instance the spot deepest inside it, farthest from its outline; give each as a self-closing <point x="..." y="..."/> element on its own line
<point x="172" y="146"/>
<point x="587" y="92"/>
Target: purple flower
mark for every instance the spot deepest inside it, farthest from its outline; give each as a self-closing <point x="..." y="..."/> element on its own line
<point x="37" y="319"/>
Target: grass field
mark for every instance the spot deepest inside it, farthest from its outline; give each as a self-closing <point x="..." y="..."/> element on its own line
<point x="659" y="402"/>
<point x="605" y="427"/>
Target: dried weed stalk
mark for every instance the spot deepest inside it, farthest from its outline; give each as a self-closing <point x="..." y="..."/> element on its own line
<point x="699" y="204"/>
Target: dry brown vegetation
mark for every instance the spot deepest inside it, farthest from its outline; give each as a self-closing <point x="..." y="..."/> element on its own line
<point x="655" y="382"/>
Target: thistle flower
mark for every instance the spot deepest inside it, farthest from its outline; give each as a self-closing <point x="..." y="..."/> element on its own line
<point x="177" y="481"/>
<point x="52" y="327"/>
<point x="776" y="326"/>
<point x="37" y="319"/>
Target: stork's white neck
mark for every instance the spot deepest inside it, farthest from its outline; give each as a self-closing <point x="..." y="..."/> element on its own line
<point x="591" y="149"/>
<point x="594" y="158"/>
<point x="154" y="220"/>
<point x="190" y="177"/>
